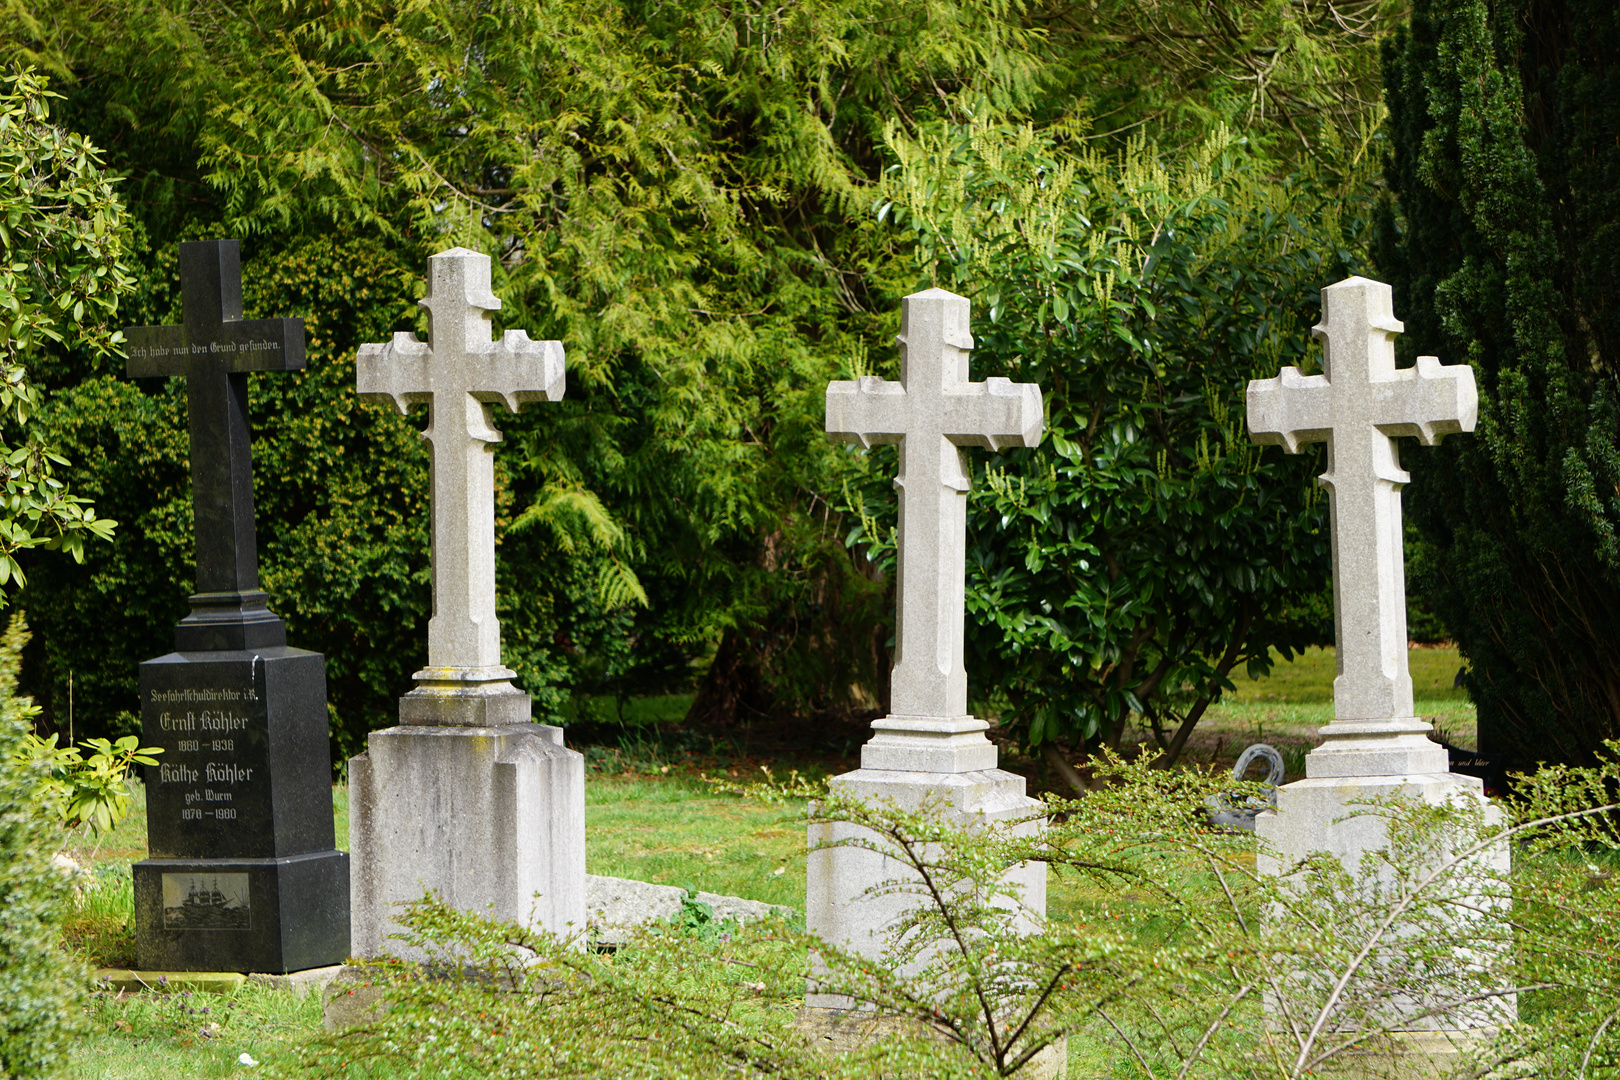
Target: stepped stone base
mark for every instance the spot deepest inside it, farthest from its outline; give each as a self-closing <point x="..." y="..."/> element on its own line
<point x="838" y="908"/>
<point x="492" y="819"/>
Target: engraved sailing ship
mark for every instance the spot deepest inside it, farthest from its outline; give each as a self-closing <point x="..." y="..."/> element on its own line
<point x="205" y="902"/>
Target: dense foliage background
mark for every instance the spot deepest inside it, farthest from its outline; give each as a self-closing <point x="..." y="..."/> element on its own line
<point x="684" y="195"/>
<point x="690" y="196"/>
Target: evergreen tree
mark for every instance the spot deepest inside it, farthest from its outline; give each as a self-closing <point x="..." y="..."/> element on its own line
<point x="1503" y="245"/>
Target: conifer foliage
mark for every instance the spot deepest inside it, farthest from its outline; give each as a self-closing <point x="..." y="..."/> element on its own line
<point x="683" y="194"/>
<point x="1503" y="244"/>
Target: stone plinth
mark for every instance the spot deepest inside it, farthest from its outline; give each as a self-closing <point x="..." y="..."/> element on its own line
<point x="492" y="819"/>
<point x="837" y="907"/>
<point x="1329" y="814"/>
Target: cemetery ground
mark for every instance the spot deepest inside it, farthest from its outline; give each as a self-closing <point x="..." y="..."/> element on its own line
<point x="651" y="816"/>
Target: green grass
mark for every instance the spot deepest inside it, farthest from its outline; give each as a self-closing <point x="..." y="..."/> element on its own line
<point x="1296" y="698"/>
<point x="673" y="830"/>
<point x="1308" y="678"/>
<point x="153" y="1036"/>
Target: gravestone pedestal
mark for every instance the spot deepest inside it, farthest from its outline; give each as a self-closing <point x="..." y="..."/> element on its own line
<point x="837" y="909"/>
<point x="489" y="818"/>
<point x="243" y="874"/>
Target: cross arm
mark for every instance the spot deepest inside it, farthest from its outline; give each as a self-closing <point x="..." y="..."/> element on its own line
<point x="995" y="414"/>
<point x="260" y="345"/>
<point x="1290" y="410"/>
<point x="520" y="370"/>
<point x="155" y="350"/>
<point x="1445" y="392"/>
<point x="868" y="411"/>
<point x="396" y="372"/>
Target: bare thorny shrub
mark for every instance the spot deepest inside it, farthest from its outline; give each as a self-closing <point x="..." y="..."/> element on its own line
<point x="1178" y="959"/>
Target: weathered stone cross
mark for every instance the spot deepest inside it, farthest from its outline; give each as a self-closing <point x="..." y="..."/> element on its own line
<point x="1358" y="407"/>
<point x="459" y="375"/>
<point x="215" y="348"/>
<point x="932" y="413"/>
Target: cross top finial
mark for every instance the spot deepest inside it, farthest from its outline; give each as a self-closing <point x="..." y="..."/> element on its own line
<point x="459" y="301"/>
<point x="1350" y="308"/>
<point x="934" y="339"/>
<point x="215" y="348"/>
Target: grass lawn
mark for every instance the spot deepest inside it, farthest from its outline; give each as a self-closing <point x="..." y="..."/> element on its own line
<point x="1287" y="707"/>
<point x="647" y="817"/>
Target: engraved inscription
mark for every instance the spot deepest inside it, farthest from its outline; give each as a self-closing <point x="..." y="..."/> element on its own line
<point x="153" y="352"/>
<point x="204" y="766"/>
<point x="206" y="902"/>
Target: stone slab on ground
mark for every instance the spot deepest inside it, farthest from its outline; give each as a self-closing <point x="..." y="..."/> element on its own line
<point x="351" y="998"/>
<point x="133" y="981"/>
<point x="616" y="906"/>
<point x="298" y="983"/>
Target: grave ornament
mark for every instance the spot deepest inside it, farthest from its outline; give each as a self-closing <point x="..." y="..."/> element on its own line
<point x="927" y="750"/>
<point x="933" y="412"/>
<point x="243" y="874"/>
<point x="1358" y="406"/>
<point x="1238" y="812"/>
<point x="1374" y="748"/>
<point x="466" y="796"/>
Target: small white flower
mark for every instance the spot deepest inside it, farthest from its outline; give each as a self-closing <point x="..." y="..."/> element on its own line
<point x="247" y="1059"/>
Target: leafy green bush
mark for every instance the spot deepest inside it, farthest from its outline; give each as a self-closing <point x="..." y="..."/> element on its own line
<point x="679" y="192"/>
<point x="62" y="228"/>
<point x="78" y="790"/>
<point x="39" y="985"/>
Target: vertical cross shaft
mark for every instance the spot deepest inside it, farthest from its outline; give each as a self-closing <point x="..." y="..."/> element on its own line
<point x="214" y="349"/>
<point x="459" y="374"/>
<point x="1358" y="406"/>
<point x="217" y="417"/>
<point x="932" y="413"/>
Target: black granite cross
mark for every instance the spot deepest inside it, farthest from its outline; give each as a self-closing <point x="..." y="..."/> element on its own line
<point x="215" y="348"/>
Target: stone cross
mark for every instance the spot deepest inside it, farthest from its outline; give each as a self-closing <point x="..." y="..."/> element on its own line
<point x="932" y="413"/>
<point x="1358" y="406"/>
<point x="215" y="348"/>
<point x="460" y="374"/>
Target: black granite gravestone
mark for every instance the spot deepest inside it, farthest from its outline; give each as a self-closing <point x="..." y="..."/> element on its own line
<point x="243" y="873"/>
